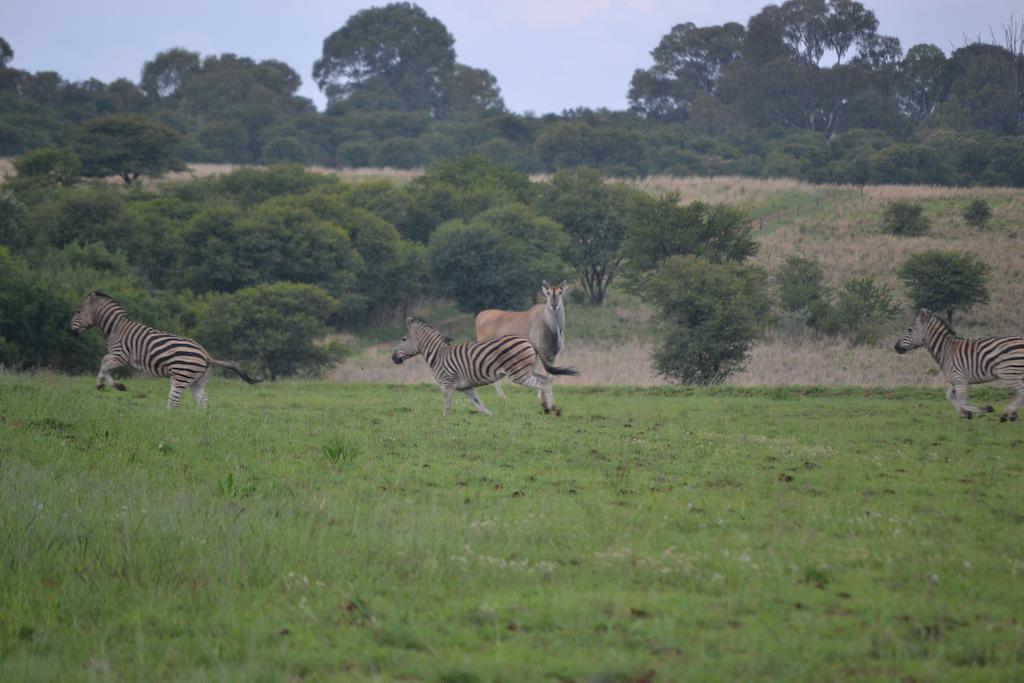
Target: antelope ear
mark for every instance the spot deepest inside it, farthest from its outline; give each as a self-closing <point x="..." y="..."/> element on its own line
<point x="545" y="284"/>
<point x="565" y="285"/>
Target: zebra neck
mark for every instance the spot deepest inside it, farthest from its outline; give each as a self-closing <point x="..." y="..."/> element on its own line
<point x="112" y="319"/>
<point x="938" y="343"/>
<point x="432" y="347"/>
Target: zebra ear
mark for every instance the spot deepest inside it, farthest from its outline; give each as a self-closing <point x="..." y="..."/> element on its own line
<point x="409" y="320"/>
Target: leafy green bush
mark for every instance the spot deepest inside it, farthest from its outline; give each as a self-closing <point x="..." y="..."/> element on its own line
<point x="945" y="281"/>
<point x="862" y="312"/>
<point x="710" y="315"/>
<point x="274" y="328"/>
<point x="802" y="291"/>
<point x="977" y="213"/>
<point x="905" y="218"/>
<point x="497" y="259"/>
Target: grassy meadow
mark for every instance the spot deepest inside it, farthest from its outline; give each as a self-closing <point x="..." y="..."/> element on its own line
<point x="320" y="531"/>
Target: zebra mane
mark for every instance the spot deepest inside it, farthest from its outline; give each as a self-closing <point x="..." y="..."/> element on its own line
<point x="97" y="292"/>
<point x="939" y="320"/>
<point x="430" y="330"/>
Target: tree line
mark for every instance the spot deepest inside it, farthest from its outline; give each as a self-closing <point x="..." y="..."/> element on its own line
<point x="808" y="89"/>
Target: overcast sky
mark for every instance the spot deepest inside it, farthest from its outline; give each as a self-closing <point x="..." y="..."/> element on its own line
<point x="548" y="55"/>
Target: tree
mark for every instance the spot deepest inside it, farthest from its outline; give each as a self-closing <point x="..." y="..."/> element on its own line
<point x="54" y="165"/>
<point x="496" y="260"/>
<point x="272" y="327"/>
<point x="863" y="311"/>
<point x="593" y="214"/>
<point x="166" y="74"/>
<point x="802" y="290"/>
<point x="128" y="146"/>
<point x="977" y="212"/>
<point x="474" y="91"/>
<point x="921" y="80"/>
<point x="688" y="60"/>
<point x="658" y="227"/>
<point x="394" y="57"/>
<point x="710" y="314"/>
<point x="904" y="218"/>
<point x="945" y="281"/>
<point x="6" y="53"/>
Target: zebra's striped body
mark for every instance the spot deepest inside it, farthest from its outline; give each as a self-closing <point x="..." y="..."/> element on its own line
<point x="184" y="361"/>
<point x="969" y="361"/>
<point x="463" y="367"/>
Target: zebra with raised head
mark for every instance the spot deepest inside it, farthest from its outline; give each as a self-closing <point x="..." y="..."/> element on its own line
<point x="463" y="367"/>
<point x="184" y="361"/>
<point x="969" y="361"/>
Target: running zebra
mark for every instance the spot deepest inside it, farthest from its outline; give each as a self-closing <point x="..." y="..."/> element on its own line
<point x="463" y="367"/>
<point x="157" y="353"/>
<point x="969" y="361"/>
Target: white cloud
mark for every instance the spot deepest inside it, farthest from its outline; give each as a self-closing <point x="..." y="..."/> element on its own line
<point x="555" y="14"/>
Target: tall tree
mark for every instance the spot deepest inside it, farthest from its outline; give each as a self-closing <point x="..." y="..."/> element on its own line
<point x="688" y="61"/>
<point x="166" y="74"/>
<point x="920" y="83"/>
<point x="473" y="90"/>
<point x="393" y="55"/>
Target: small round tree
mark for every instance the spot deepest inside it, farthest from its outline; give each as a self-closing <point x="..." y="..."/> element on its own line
<point x="945" y="281"/>
<point x="710" y="315"/>
<point x="127" y="145"/>
<point x="977" y="213"/>
<point x="905" y="219"/>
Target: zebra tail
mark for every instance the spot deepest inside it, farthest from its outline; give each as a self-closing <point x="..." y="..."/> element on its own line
<point x="234" y="367"/>
<point x="554" y="370"/>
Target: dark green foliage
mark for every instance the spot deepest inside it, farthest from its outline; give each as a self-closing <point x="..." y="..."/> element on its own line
<point x="863" y="311"/>
<point x="390" y="57"/>
<point x="945" y="281"/>
<point x="284" y="149"/>
<point x="904" y="218"/>
<point x="497" y="259"/>
<point x="710" y="314"/>
<point x="594" y="215"/>
<point x="977" y="213"/>
<point x="658" y="227"/>
<point x="273" y="328"/>
<point x="13" y="226"/>
<point x="49" y="165"/>
<point x="800" y="282"/>
<point x="128" y="146"/>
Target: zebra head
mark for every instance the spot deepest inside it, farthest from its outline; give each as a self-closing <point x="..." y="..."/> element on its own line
<point x="85" y="316"/>
<point x="916" y="333"/>
<point x="409" y="347"/>
<point x="553" y="294"/>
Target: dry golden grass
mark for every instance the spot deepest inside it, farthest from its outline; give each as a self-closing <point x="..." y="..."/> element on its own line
<point x="771" y="363"/>
<point x="397" y="175"/>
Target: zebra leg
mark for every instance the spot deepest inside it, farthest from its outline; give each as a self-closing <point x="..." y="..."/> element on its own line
<point x="104" y="378"/>
<point x="448" y="393"/>
<point x="471" y="395"/>
<point x="1010" y="411"/>
<point x="968" y="411"/>
<point x="174" y="397"/>
<point x="543" y="386"/>
<point x="198" y="392"/>
<point x="501" y="393"/>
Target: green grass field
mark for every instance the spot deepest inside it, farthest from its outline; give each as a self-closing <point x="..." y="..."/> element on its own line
<point x="315" y="531"/>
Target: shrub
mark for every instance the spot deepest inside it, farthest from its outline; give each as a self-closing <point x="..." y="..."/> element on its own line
<point x="977" y="213"/>
<point x="945" y="281"/>
<point x="710" y="315"/>
<point x="862" y="312"/>
<point x="802" y="291"/>
<point x="905" y="218"/>
<point x="273" y="328"/>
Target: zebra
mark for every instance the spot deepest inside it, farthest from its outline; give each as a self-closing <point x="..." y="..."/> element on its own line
<point x="968" y="361"/>
<point x="463" y="367"/>
<point x="157" y="353"/>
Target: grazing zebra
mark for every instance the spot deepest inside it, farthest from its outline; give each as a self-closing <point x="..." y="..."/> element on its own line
<point x="543" y="324"/>
<point x="969" y="361"/>
<point x="463" y="367"/>
<point x="157" y="353"/>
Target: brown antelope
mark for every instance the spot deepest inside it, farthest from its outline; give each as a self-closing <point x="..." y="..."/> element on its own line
<point x="543" y="324"/>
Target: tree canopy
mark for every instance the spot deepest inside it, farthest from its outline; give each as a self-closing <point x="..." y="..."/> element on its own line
<point x="128" y="146"/>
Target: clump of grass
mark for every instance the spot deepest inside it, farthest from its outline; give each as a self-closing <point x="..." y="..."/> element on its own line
<point x="340" y="451"/>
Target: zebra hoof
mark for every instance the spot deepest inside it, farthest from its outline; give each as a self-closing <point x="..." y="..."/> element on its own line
<point x="989" y="409"/>
<point x="969" y="415"/>
<point x="1004" y="418"/>
<point x="101" y="387"/>
<point x="120" y="387"/>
